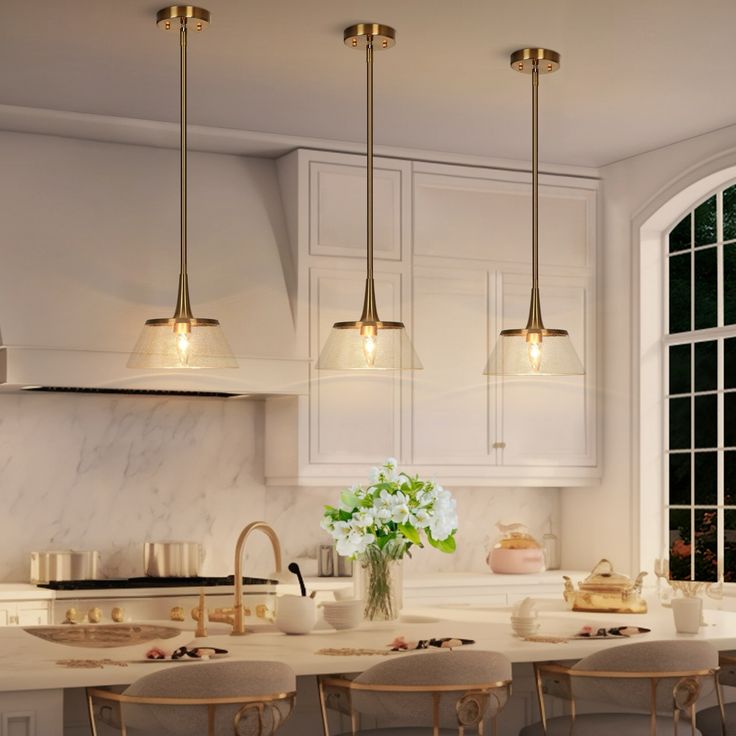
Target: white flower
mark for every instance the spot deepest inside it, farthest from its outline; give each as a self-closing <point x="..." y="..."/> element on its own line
<point x="440" y="529"/>
<point x="363" y="519"/>
<point x="423" y="518"/>
<point x="382" y="514"/>
<point x="326" y="523"/>
<point x="400" y="513"/>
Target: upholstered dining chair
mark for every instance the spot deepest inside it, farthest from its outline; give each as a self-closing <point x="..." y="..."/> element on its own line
<point x="651" y="684"/>
<point x="438" y="693"/>
<point x="715" y="721"/>
<point x="199" y="699"/>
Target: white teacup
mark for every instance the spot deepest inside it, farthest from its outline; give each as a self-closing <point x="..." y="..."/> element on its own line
<point x="295" y="614"/>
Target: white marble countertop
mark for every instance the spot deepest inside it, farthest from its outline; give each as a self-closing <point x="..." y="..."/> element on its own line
<point x="28" y="663"/>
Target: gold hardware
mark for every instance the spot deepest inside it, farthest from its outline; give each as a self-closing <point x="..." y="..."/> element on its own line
<point x="366" y="34"/>
<point x="238" y="611"/>
<point x="183" y="13"/>
<point x="524" y="60"/>
<point x="498" y="445"/>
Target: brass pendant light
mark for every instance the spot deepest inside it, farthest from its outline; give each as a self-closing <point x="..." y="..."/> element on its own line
<point x="182" y="341"/>
<point x="534" y="350"/>
<point x="368" y="343"/>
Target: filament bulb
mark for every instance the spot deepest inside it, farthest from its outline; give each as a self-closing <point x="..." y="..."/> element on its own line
<point x="534" y="350"/>
<point x="369" y="349"/>
<point x="182" y="332"/>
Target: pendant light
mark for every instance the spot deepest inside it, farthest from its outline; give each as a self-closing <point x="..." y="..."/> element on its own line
<point x="534" y="350"/>
<point x="182" y="341"/>
<point x="369" y="343"/>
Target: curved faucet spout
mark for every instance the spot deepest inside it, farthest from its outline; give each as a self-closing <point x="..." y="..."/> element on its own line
<point x="239" y="617"/>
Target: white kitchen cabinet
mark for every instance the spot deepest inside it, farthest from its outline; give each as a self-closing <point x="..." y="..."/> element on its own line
<point x="452" y="262"/>
<point x="32" y="713"/>
<point x="24" y="613"/>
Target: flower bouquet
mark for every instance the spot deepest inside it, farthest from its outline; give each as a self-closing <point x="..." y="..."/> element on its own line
<point x="377" y="525"/>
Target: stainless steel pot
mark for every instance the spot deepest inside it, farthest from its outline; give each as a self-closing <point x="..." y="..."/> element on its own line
<point x="172" y="559"/>
<point x="64" y="564"/>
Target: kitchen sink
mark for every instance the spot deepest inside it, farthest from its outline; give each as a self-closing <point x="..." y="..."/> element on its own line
<point x="103" y="635"/>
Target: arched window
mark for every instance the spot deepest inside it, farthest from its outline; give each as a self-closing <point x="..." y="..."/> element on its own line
<point x="700" y="390"/>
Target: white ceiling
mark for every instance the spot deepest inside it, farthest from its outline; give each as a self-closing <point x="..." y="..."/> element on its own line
<point x="636" y="74"/>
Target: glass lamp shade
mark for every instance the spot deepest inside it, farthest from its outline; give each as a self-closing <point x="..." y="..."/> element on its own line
<point x="544" y="352"/>
<point x="182" y="343"/>
<point x="368" y="346"/>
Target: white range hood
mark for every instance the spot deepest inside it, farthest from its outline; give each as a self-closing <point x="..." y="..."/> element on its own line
<point x="24" y="368"/>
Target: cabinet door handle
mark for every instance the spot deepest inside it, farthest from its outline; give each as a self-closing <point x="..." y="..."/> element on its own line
<point x="499" y="445"/>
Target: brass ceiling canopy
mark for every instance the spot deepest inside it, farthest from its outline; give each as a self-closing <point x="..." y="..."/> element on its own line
<point x="182" y="341"/>
<point x="535" y="349"/>
<point x="368" y="343"/>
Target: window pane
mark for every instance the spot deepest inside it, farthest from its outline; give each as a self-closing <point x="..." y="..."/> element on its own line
<point x="679" y="293"/>
<point x="680" y="479"/>
<point x="680" y="236"/>
<point x="729" y="547"/>
<point x="706" y="288"/>
<point x="680" y="424"/>
<point x="680" y="368"/>
<point x="706" y="545"/>
<point x="729" y="213"/>
<point x="706" y="366"/>
<point x="729" y="478"/>
<point x="706" y="421"/>
<point x="729" y="362"/>
<point x="729" y="284"/>
<point x="729" y="420"/>
<point x="680" y="544"/>
<point x="705" y="222"/>
<point x="706" y="478"/>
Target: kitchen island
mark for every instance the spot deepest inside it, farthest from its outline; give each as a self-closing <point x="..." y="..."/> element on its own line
<point x="31" y="682"/>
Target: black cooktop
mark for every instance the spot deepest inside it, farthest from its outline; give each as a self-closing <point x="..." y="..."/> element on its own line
<point x="148" y="582"/>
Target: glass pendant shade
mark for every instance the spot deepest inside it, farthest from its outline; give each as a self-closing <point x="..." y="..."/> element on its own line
<point x="182" y="343"/>
<point x="368" y="346"/>
<point x="534" y="353"/>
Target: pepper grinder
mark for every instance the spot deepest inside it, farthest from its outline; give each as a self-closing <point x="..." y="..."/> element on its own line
<point x="551" y="547"/>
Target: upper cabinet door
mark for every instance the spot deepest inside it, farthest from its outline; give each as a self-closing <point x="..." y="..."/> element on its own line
<point x="453" y="408"/>
<point x="477" y="214"/>
<point x="337" y="207"/>
<point x="550" y="420"/>
<point x="354" y="416"/>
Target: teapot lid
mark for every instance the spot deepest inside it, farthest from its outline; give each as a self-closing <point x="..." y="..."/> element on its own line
<point x="603" y="576"/>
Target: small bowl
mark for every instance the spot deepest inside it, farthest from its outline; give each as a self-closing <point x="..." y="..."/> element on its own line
<point x="343" y="614"/>
<point x="525" y="629"/>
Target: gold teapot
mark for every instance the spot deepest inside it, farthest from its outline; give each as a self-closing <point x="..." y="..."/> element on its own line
<point x="606" y="591"/>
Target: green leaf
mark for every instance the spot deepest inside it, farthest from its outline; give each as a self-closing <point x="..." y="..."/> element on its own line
<point x="410" y="533"/>
<point x="446" y="545"/>
<point x="330" y="510"/>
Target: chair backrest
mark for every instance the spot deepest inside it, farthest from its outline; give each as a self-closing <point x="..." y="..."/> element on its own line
<point x="445" y="676"/>
<point x="272" y="683"/>
<point x="660" y="658"/>
<point x="727" y="675"/>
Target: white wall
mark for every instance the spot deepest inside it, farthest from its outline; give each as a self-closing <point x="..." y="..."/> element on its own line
<point x="110" y="472"/>
<point x="605" y="521"/>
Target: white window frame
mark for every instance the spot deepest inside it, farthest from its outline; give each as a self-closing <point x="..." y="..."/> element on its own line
<point x="650" y="229"/>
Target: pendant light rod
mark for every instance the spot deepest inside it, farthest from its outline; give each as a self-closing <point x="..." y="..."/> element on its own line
<point x="183" y="307"/>
<point x="534" y="322"/>
<point x="370" y="311"/>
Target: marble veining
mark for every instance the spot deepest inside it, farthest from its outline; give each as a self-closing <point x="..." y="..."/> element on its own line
<point x="111" y="472"/>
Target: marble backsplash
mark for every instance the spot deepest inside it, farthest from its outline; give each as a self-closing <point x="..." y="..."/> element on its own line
<point x="111" y="472"/>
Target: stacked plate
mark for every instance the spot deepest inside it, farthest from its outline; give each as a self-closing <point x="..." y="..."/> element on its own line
<point x="343" y="614"/>
<point x="524" y="625"/>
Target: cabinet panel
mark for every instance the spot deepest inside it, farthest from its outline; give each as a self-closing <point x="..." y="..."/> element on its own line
<point x="468" y="217"/>
<point x="337" y="209"/>
<point x="452" y="413"/>
<point x="33" y="616"/>
<point x="355" y="416"/>
<point x="547" y="420"/>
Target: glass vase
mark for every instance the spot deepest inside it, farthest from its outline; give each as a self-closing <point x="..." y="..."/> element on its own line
<point x="381" y="584"/>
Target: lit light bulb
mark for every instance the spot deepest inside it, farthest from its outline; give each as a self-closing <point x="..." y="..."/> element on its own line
<point x="182" y="330"/>
<point x="534" y="350"/>
<point x="369" y="349"/>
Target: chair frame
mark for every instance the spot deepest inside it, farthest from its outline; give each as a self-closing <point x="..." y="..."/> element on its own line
<point x="248" y="703"/>
<point x="685" y="692"/>
<point x="470" y="706"/>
